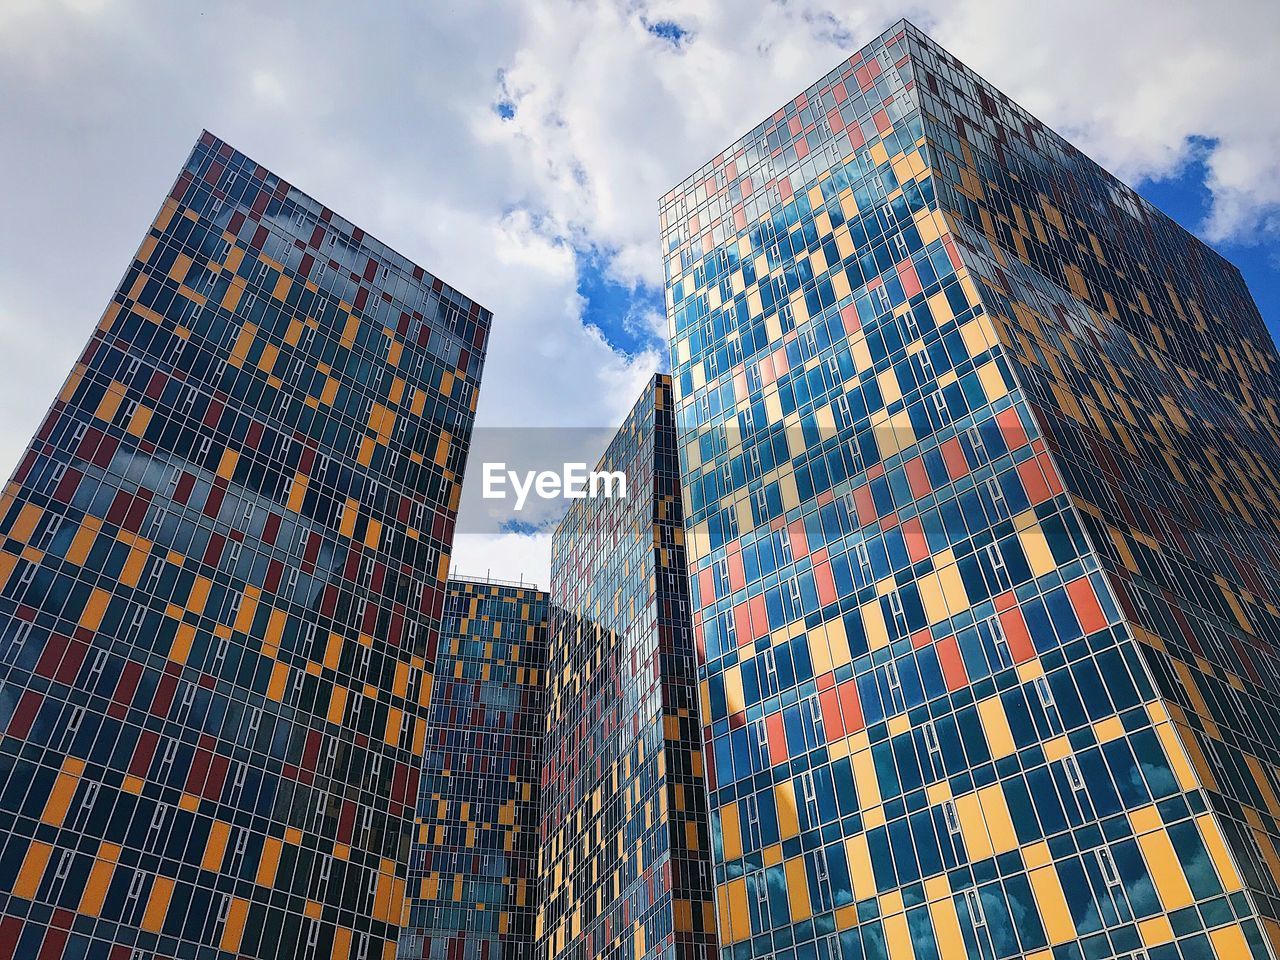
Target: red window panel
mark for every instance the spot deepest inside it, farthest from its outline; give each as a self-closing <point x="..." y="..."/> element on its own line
<point x="706" y="588"/>
<point x="953" y="457"/>
<point x="54" y="649"/>
<point x="119" y="508"/>
<point x="832" y="719"/>
<point x="917" y="478"/>
<point x="55" y="942"/>
<point x="10" y="930"/>
<point x="216" y="778"/>
<point x="825" y="583"/>
<point x="737" y="575"/>
<point x="25" y="715"/>
<point x="953" y="671"/>
<point x="777" y="739"/>
<point x="70" y="666"/>
<point x="198" y="772"/>
<point x="759" y="618"/>
<point x="1085" y="603"/>
<point x="864" y="505"/>
<point x="1015" y="631"/>
<point x="910" y="280"/>
<point x="143" y="753"/>
<point x="913" y="536"/>
<point x="130" y="677"/>
<point x="850" y="707"/>
<point x="165" y="691"/>
<point x="67" y="488"/>
<point x="1015" y="435"/>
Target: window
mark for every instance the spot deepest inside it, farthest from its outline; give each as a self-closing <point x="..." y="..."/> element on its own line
<point x="87" y="802"/>
<point x="932" y="746"/>
<point x="912" y="325"/>
<point x="729" y="629"/>
<point x="1072" y="770"/>
<point x="898" y="613"/>
<point x="782" y="545"/>
<point x="951" y="817"/>
<point x="864" y="563"/>
<point x="770" y="670"/>
<point x="99" y="664"/>
<point x="1108" y="867"/>
<point x="721" y="576"/>
<point x="134" y="896"/>
<point x="156" y="830"/>
<point x="894" y="683"/>
<point x="809" y="796"/>
<point x="882" y="298"/>
<point x="833" y="368"/>
<point x="979" y="448"/>
<point x="238" y="850"/>
<point x="997" y="498"/>
<point x="9" y="652"/>
<point x="808" y="343"/>
<point x="154" y="574"/>
<point x="166" y="761"/>
<point x="188" y="698"/>
<point x="976" y="915"/>
<point x="841" y="413"/>
<point x="999" y="643"/>
<point x="941" y="413"/>
<point x="1001" y="580"/>
<point x="238" y="781"/>
<point x="811" y="721"/>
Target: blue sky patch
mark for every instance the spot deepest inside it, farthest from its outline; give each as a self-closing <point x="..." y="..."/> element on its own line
<point x="668" y="30"/>
<point x="1186" y="198"/>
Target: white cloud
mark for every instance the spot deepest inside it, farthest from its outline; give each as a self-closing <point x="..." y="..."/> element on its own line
<point x="388" y="114"/>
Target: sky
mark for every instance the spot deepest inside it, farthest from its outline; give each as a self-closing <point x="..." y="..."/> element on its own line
<point x="518" y="149"/>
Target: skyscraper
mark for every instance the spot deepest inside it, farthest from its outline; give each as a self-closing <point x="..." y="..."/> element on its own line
<point x="625" y="866"/>
<point x="979" y="466"/>
<point x="222" y="564"/>
<point x="474" y="869"/>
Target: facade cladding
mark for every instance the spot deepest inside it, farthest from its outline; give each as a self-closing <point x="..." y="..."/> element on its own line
<point x="625" y="869"/>
<point x="473" y="872"/>
<point x="980" y="474"/>
<point x="221" y="578"/>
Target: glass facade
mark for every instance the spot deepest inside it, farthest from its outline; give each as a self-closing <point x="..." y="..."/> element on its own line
<point x="473" y="871"/>
<point x="625" y="867"/>
<point x="978" y="456"/>
<point x="222" y="566"/>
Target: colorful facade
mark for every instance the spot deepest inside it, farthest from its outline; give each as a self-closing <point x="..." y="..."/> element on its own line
<point x="625" y="867"/>
<point x="222" y="566"/>
<point x="979" y="458"/>
<point x="473" y="870"/>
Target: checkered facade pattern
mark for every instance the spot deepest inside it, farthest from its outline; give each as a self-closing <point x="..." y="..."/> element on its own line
<point x="222" y="569"/>
<point x="979" y="460"/>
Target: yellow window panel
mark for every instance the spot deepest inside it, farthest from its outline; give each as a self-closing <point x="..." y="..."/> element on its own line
<point x="157" y="904"/>
<point x="798" y="890"/>
<point x="1166" y="871"/>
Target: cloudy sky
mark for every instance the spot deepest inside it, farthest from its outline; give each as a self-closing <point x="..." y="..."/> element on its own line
<point x="517" y="149"/>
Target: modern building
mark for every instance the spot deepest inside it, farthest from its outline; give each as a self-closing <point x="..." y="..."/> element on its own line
<point x="625" y="866"/>
<point x="474" y="866"/>
<point x="979" y="458"/>
<point x="222" y="568"/>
